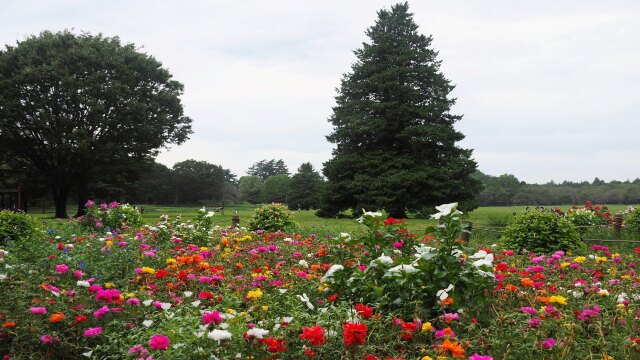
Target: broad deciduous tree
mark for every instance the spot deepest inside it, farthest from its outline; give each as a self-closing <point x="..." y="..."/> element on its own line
<point x="75" y="105"/>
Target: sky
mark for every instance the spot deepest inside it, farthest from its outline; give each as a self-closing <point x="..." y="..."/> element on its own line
<point x="549" y="90"/>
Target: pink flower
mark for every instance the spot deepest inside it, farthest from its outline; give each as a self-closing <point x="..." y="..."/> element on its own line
<point x="549" y="343"/>
<point x="133" y="301"/>
<point x="89" y="203"/>
<point x="91" y="332"/>
<point x="62" y="268"/>
<point x="528" y="310"/>
<point x="159" y="342"/>
<point x="78" y="274"/>
<point x="101" y="312"/>
<point x="138" y="350"/>
<point x="38" y="310"/>
<point x="476" y="356"/>
<point x="113" y="205"/>
<point x="211" y="317"/>
<point x="397" y="244"/>
<point x="108" y="295"/>
<point x="47" y="339"/>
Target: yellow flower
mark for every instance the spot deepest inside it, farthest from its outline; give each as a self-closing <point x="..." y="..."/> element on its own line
<point x="148" y="270"/>
<point x="254" y="294"/>
<point x="265" y="307"/>
<point x="230" y="311"/>
<point x="601" y="259"/>
<point x="564" y="264"/>
<point x="109" y="243"/>
<point x="109" y="285"/>
<point x="171" y="261"/>
<point x="426" y="327"/>
<point x="129" y="295"/>
<point x="625" y="277"/>
<point x="579" y="259"/>
<point x="204" y="248"/>
<point x="558" y="300"/>
<point x="426" y="358"/>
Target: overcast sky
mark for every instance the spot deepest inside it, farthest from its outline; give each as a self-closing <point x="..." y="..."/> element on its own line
<point x="549" y="90"/>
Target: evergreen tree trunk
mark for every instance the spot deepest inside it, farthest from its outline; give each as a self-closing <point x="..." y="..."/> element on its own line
<point x="60" y="194"/>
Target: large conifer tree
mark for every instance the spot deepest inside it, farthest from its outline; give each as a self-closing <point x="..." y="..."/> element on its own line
<point x="395" y="141"/>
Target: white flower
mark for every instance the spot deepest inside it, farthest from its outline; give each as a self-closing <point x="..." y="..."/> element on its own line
<point x="83" y="283"/>
<point x="147" y="323"/>
<point x="3" y="277"/>
<point x="621" y="298"/>
<point x="383" y="259"/>
<point x="369" y="213"/>
<point x="305" y="299"/>
<point x="577" y="294"/>
<point x="444" y="293"/>
<point x="224" y="326"/>
<point x="199" y="334"/>
<point x="209" y="214"/>
<point x="165" y="306"/>
<point x="196" y="303"/>
<point x="178" y="345"/>
<point x="282" y="291"/>
<point x="332" y="270"/>
<point x="219" y="335"/>
<point x="397" y="270"/>
<point x="483" y="257"/>
<point x="303" y="263"/>
<point x="187" y="293"/>
<point x="603" y="292"/>
<point x="257" y="332"/>
<point x="88" y="353"/>
<point x="445" y="210"/>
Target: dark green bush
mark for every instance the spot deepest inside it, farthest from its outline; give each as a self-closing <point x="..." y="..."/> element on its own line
<point x="16" y="226"/>
<point x="541" y="232"/>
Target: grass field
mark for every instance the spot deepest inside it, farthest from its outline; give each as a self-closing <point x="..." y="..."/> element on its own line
<point x="487" y="221"/>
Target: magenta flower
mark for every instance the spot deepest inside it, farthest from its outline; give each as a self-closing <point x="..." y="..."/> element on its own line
<point x="528" y="310"/>
<point x="211" y="317"/>
<point x="549" y="343"/>
<point x="476" y="356"/>
<point x="133" y="301"/>
<point x="62" y="268"/>
<point x="159" y="342"/>
<point x="91" y="332"/>
<point x="38" y="310"/>
<point x="99" y="313"/>
<point x="47" y="339"/>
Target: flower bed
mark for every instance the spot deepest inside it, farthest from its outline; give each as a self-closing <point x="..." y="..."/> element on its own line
<point x="153" y="293"/>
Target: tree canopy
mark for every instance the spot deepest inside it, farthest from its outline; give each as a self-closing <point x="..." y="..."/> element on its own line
<point x="304" y="189"/>
<point x="265" y="168"/>
<point x="393" y="129"/>
<point x="76" y="107"/>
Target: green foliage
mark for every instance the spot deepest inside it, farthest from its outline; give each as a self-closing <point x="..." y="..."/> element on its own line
<point x="16" y="227"/>
<point x="305" y="187"/>
<point x="266" y="168"/>
<point x="272" y="218"/>
<point x="541" y="231"/>
<point x="632" y="221"/>
<point x="398" y="272"/>
<point x="112" y="216"/>
<point x="80" y="106"/>
<point x="198" y="181"/>
<point x="250" y="189"/>
<point x="276" y="189"/>
<point x="393" y="128"/>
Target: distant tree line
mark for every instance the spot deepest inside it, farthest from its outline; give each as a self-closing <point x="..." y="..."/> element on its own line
<point x="507" y="190"/>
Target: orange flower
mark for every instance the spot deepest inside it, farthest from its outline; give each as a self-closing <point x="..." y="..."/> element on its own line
<point x="511" y="287"/>
<point x="447" y="301"/>
<point x="453" y="348"/>
<point x="56" y="318"/>
<point x="526" y="282"/>
<point x="9" y="324"/>
<point x="544" y="300"/>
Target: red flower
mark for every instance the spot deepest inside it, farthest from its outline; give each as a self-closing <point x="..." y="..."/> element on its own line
<point x="333" y="297"/>
<point x="365" y="312"/>
<point x="408" y="329"/>
<point x="274" y="345"/>
<point x="309" y="353"/>
<point x="314" y="334"/>
<point x="354" y="334"/>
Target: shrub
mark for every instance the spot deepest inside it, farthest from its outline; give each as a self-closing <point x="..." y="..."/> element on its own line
<point x="398" y="271"/>
<point x="272" y="218"/>
<point x="112" y="216"/>
<point x="632" y="222"/>
<point x="541" y="231"/>
<point x="16" y="226"/>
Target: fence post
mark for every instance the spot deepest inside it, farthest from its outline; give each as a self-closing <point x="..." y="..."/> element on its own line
<point x="616" y="225"/>
<point x="465" y="234"/>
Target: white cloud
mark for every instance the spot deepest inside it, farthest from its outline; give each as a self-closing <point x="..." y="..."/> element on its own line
<point x="548" y="89"/>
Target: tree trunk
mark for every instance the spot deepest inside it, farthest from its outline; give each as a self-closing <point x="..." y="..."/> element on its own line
<point x="60" y="194"/>
<point x="83" y="196"/>
<point x="398" y="213"/>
